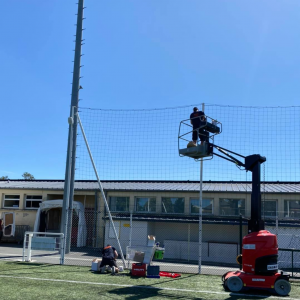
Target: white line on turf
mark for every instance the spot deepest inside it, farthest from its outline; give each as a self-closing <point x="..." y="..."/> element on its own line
<point x="146" y="287"/>
<point x="45" y="256"/>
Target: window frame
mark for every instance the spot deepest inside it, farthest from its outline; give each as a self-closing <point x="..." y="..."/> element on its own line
<point x="33" y="200"/>
<point x="207" y="214"/>
<point x="11" y="207"/>
<point x="127" y="203"/>
<point x="172" y="213"/>
<point x="263" y="213"/>
<point x="288" y="209"/>
<point x="149" y="200"/>
<point x="231" y="215"/>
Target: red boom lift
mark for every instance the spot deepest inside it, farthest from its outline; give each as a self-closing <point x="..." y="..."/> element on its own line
<point x="260" y="248"/>
<point x="259" y="257"/>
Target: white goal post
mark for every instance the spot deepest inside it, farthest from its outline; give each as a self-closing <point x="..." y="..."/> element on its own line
<point x="44" y="243"/>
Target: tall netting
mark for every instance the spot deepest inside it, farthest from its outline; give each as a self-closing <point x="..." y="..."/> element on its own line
<point x="151" y="190"/>
<point x="143" y="144"/>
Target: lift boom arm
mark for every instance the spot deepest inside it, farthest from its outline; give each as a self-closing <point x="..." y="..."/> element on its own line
<point x="251" y="163"/>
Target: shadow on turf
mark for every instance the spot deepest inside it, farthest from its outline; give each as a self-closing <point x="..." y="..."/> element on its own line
<point x="145" y="292"/>
<point x="149" y="291"/>
<point x="153" y="290"/>
<point x="250" y="297"/>
<point x="140" y="292"/>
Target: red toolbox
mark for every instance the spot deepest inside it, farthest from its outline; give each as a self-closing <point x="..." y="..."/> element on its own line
<point x="138" y="270"/>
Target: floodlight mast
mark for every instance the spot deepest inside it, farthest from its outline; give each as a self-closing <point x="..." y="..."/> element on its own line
<point x="251" y="163"/>
<point x="67" y="209"/>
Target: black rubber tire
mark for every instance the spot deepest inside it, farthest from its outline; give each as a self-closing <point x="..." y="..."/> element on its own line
<point x="282" y="287"/>
<point x="234" y="284"/>
<point x="225" y="286"/>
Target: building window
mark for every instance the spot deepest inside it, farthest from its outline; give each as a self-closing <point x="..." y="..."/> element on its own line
<point x="119" y="203"/>
<point x="232" y="207"/>
<point x="11" y="201"/>
<point x="172" y="205"/>
<point x="207" y="206"/>
<point x="144" y="204"/>
<point x="292" y="209"/>
<point x="269" y="208"/>
<point x="33" y="202"/>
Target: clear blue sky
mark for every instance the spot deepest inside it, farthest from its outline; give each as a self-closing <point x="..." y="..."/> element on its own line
<point x="138" y="54"/>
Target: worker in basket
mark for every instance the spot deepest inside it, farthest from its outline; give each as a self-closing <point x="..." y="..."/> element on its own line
<point x="198" y="119"/>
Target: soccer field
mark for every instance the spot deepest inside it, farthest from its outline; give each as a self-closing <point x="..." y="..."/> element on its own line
<point x="42" y="281"/>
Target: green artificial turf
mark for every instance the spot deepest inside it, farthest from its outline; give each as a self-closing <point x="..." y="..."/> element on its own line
<point x="85" y="285"/>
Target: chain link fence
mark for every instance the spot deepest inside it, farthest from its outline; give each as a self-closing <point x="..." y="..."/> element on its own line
<point x="178" y="239"/>
<point x="178" y="236"/>
<point x="288" y="236"/>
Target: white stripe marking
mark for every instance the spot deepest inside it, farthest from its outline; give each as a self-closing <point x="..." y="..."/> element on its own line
<point x="146" y="287"/>
<point x="44" y="256"/>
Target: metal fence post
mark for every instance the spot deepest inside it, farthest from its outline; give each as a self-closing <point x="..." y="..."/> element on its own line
<point x="241" y="237"/>
<point x="62" y="249"/>
<point x="189" y="240"/>
<point x="276" y="226"/>
<point x="292" y="262"/>
<point x="130" y="233"/>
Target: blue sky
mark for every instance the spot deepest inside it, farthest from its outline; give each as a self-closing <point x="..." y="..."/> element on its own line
<point x="138" y="54"/>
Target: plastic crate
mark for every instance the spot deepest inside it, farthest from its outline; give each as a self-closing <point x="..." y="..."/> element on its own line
<point x="159" y="253"/>
<point x="138" y="270"/>
<point x="153" y="271"/>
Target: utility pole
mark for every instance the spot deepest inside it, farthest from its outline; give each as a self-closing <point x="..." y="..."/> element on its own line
<point x="67" y="210"/>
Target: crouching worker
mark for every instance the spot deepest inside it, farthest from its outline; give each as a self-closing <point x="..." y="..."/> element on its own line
<point x="109" y="256"/>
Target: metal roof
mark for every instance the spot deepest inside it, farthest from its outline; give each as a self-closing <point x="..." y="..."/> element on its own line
<point x="206" y="219"/>
<point x="152" y="185"/>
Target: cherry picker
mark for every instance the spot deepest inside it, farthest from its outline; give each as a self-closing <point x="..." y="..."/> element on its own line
<point x="259" y="258"/>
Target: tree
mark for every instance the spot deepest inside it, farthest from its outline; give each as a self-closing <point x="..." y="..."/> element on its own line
<point x="28" y="176"/>
<point x="3" y="177"/>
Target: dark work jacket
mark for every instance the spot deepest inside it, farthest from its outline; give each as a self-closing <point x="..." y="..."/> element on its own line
<point x="108" y="252"/>
<point x="196" y="122"/>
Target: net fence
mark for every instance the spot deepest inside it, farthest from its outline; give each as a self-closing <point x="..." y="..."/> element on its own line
<point x="152" y="191"/>
<point x="143" y="144"/>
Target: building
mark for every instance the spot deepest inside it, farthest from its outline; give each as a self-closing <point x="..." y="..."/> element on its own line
<point x="167" y="209"/>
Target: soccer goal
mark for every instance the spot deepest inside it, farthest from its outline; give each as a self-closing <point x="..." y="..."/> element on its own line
<point x="44" y="247"/>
